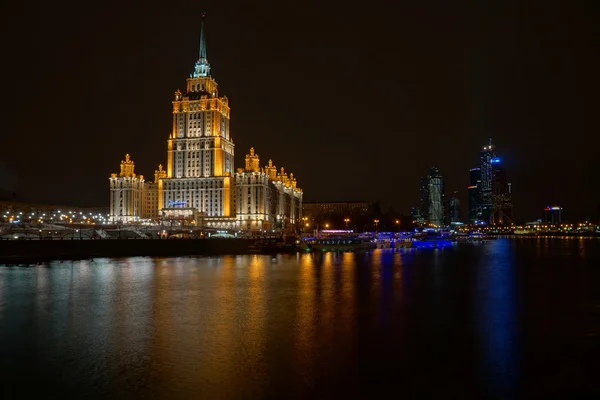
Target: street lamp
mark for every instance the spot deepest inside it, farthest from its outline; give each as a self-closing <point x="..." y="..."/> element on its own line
<point x="346" y="220"/>
<point x="376" y="223"/>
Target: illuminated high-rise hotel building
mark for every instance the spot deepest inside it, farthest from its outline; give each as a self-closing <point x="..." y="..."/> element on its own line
<point x="199" y="183"/>
<point x="200" y="149"/>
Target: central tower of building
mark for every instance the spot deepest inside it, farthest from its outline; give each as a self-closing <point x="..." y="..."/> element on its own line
<point x="200" y="149"/>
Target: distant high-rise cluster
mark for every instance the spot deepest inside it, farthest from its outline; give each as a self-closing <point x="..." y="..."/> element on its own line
<point x="490" y="192"/>
<point x="489" y="195"/>
<point x="200" y="185"/>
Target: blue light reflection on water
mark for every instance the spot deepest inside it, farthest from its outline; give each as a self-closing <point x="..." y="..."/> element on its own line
<point x="497" y="306"/>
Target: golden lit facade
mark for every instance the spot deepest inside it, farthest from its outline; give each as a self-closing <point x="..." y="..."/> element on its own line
<point x="200" y="150"/>
<point x="199" y="186"/>
<point x="126" y="190"/>
<point x="265" y="198"/>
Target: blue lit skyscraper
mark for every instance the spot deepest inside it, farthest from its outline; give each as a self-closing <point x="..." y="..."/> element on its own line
<point x="490" y="193"/>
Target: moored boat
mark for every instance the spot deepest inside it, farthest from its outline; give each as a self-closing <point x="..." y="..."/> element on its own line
<point x="342" y="244"/>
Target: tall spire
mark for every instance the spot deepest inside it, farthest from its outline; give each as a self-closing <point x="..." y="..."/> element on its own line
<point x="202" y="67"/>
<point x="202" y="40"/>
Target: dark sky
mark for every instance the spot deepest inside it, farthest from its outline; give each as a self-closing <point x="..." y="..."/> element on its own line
<point x="356" y="99"/>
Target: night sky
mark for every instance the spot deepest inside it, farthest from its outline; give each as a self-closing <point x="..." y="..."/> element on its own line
<point x="357" y="99"/>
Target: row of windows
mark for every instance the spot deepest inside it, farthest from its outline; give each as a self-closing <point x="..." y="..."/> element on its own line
<point x="195" y="116"/>
<point x="216" y="184"/>
<point x="197" y="145"/>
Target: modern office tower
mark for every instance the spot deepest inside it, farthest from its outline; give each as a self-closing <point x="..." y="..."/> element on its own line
<point x="486" y="158"/>
<point x="494" y="191"/>
<point x="553" y="215"/>
<point x="474" y="195"/>
<point x="433" y="198"/>
<point x="501" y="196"/>
<point x="454" y="208"/>
<point x="424" y="192"/>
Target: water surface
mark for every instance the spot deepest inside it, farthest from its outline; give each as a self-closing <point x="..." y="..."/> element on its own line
<point x="514" y="318"/>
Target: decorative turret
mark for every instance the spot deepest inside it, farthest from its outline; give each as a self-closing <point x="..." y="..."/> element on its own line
<point x="127" y="167"/>
<point x="271" y="171"/>
<point x="283" y="177"/>
<point x="160" y="173"/>
<point x="252" y="161"/>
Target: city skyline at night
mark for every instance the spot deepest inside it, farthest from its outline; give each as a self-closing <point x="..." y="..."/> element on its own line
<point x="103" y="92"/>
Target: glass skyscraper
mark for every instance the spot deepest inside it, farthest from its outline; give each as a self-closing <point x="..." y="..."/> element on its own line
<point x="486" y="158"/>
<point x="474" y="195"/>
<point x="454" y="208"/>
<point x="490" y="193"/>
<point x="433" y="198"/>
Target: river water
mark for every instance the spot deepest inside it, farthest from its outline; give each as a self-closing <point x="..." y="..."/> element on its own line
<point x="513" y="318"/>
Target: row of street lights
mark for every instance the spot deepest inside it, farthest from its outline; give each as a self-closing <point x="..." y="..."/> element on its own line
<point x="346" y="221"/>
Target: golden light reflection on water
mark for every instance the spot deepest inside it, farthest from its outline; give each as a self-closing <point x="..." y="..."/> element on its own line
<point x="347" y="298"/>
<point x="255" y="310"/>
<point x="376" y="261"/>
<point x="224" y="310"/>
<point x="326" y="310"/>
<point x="398" y="263"/>
<point x="163" y="328"/>
<point x="304" y="326"/>
<point x="220" y="310"/>
<point x="325" y="296"/>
